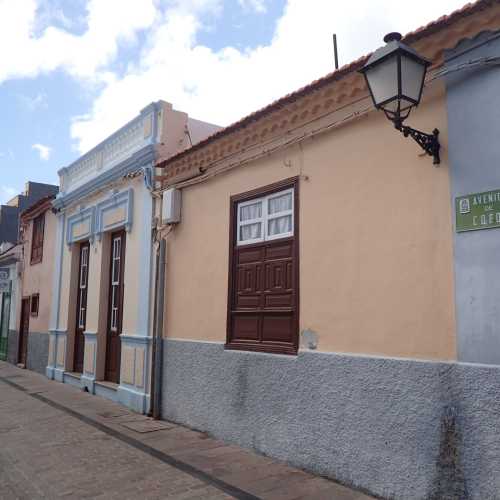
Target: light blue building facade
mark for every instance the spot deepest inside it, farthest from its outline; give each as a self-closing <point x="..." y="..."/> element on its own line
<point x="473" y="102"/>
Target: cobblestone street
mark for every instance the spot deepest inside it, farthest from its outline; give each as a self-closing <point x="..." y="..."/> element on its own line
<point x="58" y="442"/>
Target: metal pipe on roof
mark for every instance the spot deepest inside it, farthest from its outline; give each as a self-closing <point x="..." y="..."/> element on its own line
<point x="335" y="51"/>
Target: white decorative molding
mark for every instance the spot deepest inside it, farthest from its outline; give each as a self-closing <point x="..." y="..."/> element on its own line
<point x="90" y="354"/>
<point x="131" y="138"/>
<point x="84" y="221"/>
<point x="115" y="212"/>
<point x="134" y="387"/>
<point x="143" y="293"/>
<point x="57" y="273"/>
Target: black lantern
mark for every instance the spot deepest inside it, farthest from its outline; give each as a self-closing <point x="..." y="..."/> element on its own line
<point x="395" y="76"/>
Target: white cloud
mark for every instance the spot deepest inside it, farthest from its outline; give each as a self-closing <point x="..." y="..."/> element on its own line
<point x="256" y="5"/>
<point x="6" y="193"/>
<point x="223" y="86"/>
<point x="218" y="86"/>
<point x="108" y="23"/>
<point x="43" y="151"/>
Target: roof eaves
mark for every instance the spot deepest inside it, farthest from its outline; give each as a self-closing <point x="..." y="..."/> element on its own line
<point x="39" y="206"/>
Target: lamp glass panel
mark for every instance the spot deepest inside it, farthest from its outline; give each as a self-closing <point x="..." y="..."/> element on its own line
<point x="412" y="76"/>
<point x="391" y="106"/>
<point x="383" y="80"/>
<point x="405" y="104"/>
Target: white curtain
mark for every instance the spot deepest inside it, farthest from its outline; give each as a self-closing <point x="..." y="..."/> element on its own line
<point x="249" y="212"/>
<point x="250" y="231"/>
<point x="280" y="203"/>
<point x="280" y="225"/>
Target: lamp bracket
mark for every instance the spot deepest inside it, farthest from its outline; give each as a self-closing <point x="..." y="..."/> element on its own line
<point x="428" y="142"/>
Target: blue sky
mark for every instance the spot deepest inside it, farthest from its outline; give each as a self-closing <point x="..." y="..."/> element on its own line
<point x="76" y="71"/>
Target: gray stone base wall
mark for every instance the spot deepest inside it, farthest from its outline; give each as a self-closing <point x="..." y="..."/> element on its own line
<point x="38" y="352"/>
<point x="12" y="346"/>
<point x="399" y="429"/>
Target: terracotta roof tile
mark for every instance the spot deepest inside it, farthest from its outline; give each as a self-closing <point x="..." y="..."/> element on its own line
<point x="412" y="37"/>
<point x="34" y="209"/>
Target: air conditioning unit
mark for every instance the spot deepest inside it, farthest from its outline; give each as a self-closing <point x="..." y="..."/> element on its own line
<point x="171" y="206"/>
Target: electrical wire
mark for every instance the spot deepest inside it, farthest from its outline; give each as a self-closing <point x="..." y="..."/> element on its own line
<point x="262" y="151"/>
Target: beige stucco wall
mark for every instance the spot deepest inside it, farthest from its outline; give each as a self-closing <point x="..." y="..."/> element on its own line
<point x="37" y="278"/>
<point x="375" y="241"/>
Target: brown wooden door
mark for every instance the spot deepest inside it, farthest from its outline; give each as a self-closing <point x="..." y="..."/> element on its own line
<point x="81" y="307"/>
<point x="115" y="309"/>
<point x="264" y="275"/>
<point x="24" y="331"/>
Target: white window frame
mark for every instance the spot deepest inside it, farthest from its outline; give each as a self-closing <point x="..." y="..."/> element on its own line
<point x="248" y="222"/>
<point x="84" y="279"/>
<point x="115" y="284"/>
<point x="265" y="217"/>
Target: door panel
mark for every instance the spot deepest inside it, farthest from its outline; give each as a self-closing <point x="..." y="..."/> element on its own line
<point x="81" y="307"/>
<point x="246" y="327"/>
<point x="115" y="309"/>
<point x="278" y="327"/>
<point x="24" y="331"/>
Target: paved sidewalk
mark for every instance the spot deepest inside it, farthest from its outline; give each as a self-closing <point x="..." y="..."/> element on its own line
<point x="57" y="442"/>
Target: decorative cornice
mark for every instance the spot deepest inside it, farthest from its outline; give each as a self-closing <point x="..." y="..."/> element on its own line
<point x="144" y="157"/>
<point x="151" y="108"/>
<point x="123" y="199"/>
<point x="83" y="215"/>
<point x="469" y="44"/>
<point x="342" y="88"/>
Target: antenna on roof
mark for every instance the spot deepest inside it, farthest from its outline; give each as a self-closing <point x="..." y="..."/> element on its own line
<point x="335" y="51"/>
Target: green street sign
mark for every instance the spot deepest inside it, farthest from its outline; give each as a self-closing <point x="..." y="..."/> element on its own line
<point x="478" y="211"/>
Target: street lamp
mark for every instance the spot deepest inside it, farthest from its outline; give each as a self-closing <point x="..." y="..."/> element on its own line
<point x="395" y="75"/>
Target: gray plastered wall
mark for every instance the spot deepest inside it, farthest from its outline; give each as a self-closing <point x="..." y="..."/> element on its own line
<point x="399" y="429"/>
<point x="38" y="352"/>
<point x="473" y="102"/>
<point x="12" y="346"/>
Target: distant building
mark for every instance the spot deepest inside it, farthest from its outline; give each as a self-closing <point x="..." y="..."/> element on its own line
<point x="9" y="213"/>
<point x="28" y="345"/>
<point x="10" y="259"/>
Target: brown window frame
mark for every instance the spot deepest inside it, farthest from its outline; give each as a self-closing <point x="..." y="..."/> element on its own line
<point x="34" y="299"/>
<point x="37" y="237"/>
<point x="259" y="346"/>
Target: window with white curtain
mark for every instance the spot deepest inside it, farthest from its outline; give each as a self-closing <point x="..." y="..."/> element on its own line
<point x="266" y="218"/>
